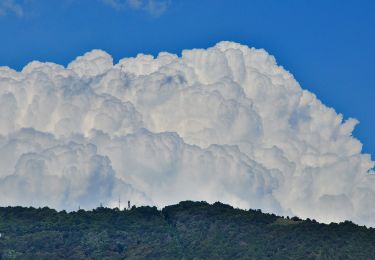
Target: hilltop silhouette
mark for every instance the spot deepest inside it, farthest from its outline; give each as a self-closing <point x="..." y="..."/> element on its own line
<point x="186" y="230"/>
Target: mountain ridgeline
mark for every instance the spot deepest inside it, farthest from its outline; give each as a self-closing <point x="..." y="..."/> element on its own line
<point x="188" y="230"/>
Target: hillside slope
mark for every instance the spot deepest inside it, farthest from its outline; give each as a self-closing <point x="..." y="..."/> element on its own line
<point x="186" y="230"/>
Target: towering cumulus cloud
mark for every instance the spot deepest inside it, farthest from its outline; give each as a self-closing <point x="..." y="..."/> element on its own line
<point x="223" y="124"/>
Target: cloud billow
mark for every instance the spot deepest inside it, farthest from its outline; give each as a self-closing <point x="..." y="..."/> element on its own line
<point x="226" y="123"/>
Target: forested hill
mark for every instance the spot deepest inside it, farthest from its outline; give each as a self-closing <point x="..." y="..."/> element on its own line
<point x="187" y="230"/>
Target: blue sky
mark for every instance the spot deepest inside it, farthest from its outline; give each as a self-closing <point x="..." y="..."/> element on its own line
<point x="327" y="45"/>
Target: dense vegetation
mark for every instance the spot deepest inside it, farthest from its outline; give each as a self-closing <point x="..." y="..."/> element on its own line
<point x="187" y="230"/>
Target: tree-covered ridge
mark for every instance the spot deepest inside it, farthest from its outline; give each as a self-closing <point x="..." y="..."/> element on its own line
<point x="187" y="230"/>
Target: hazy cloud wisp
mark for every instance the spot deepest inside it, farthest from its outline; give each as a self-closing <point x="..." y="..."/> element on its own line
<point x="153" y="7"/>
<point x="10" y="6"/>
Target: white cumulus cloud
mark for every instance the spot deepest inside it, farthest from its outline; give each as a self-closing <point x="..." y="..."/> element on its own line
<point x="225" y="123"/>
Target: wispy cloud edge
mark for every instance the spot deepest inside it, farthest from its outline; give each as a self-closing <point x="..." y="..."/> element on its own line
<point x="155" y="8"/>
<point x="10" y="6"/>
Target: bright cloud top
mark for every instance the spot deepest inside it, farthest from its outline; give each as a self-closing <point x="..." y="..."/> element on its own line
<point x="226" y="123"/>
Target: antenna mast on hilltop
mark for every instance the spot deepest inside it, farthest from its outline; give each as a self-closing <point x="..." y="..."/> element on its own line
<point x="119" y="203"/>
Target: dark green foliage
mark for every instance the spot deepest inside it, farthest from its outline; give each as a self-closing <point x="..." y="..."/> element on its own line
<point x="187" y="230"/>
